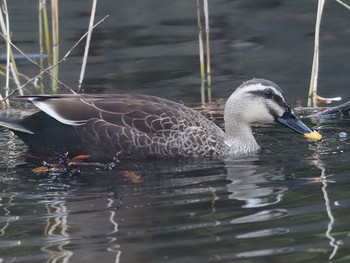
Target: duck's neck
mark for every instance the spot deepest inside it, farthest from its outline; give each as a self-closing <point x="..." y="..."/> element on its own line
<point x="239" y="137"/>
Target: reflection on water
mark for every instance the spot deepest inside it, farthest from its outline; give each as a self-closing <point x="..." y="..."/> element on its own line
<point x="56" y="231"/>
<point x="251" y="185"/>
<point x="255" y="207"/>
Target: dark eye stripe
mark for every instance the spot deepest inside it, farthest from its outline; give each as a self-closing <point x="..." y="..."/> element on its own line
<point x="271" y="95"/>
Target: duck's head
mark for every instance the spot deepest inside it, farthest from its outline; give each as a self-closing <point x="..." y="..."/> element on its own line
<point x="262" y="101"/>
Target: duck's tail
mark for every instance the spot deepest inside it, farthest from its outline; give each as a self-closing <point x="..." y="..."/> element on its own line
<point x="14" y="125"/>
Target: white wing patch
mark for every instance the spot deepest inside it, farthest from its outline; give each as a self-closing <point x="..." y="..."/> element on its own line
<point x="48" y="110"/>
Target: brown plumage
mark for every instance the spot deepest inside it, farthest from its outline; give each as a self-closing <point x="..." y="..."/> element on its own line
<point x="103" y="125"/>
<point x="147" y="126"/>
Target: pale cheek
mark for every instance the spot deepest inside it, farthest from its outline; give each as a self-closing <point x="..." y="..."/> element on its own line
<point x="258" y="113"/>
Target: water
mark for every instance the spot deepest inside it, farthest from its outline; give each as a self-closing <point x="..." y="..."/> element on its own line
<point x="289" y="203"/>
<point x="273" y="206"/>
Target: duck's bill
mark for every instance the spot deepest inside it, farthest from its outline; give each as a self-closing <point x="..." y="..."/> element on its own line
<point x="292" y="122"/>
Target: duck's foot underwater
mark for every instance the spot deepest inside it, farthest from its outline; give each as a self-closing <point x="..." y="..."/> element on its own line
<point x="72" y="167"/>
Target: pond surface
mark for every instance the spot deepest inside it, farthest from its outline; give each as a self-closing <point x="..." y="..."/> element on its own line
<point x="289" y="203"/>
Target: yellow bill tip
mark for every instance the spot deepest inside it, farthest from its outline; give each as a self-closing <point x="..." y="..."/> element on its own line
<point x="313" y="136"/>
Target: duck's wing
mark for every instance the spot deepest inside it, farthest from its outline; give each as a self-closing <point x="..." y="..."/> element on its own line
<point x="143" y="113"/>
<point x="137" y="125"/>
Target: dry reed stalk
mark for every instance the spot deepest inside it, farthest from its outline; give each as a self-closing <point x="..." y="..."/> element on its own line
<point x="47" y="70"/>
<point x="20" y="75"/>
<point x="312" y="98"/>
<point x="86" y="52"/>
<point x="207" y="43"/>
<point x="6" y="31"/>
<point x="15" y="78"/>
<point x="55" y="45"/>
<point x="41" y="38"/>
<point x="47" y="32"/>
<point x="43" y="21"/>
<point x="201" y="53"/>
<point x="343" y="4"/>
<point x="11" y="67"/>
<point x="15" y="72"/>
<point x="35" y="63"/>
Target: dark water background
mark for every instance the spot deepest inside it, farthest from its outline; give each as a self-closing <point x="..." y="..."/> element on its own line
<point x="269" y="207"/>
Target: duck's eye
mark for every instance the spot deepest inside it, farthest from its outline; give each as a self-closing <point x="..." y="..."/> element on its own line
<point x="268" y="93"/>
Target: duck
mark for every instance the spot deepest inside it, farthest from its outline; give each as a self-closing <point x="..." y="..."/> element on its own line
<point x="144" y="126"/>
